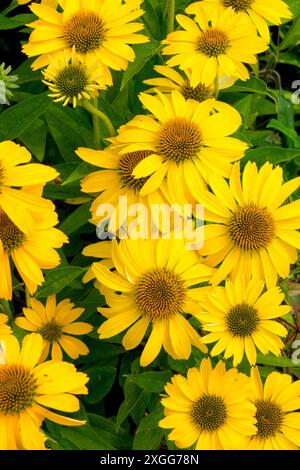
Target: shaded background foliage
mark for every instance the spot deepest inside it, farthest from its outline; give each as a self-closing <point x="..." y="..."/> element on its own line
<point x="123" y="406"/>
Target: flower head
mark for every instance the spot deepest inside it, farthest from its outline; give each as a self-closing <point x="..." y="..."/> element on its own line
<point x="240" y="318"/>
<point x="70" y="80"/>
<point x="218" y="42"/>
<point x="55" y="323"/>
<point x="154" y="280"/>
<point x="31" y="246"/>
<point x="7" y="83"/>
<point x="277" y="412"/>
<point x="187" y="139"/>
<point x="117" y="184"/>
<point x="28" y="390"/>
<point x="259" y="12"/>
<point x="16" y="172"/>
<point x="210" y="407"/>
<point x="99" y="31"/>
<point x="172" y="80"/>
<point x="253" y="231"/>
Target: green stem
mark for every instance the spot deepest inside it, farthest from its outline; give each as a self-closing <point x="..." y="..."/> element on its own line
<point x="96" y="127"/>
<point x="5" y="308"/>
<point x="28" y="297"/>
<point x="96" y="113"/>
<point x="171" y="16"/>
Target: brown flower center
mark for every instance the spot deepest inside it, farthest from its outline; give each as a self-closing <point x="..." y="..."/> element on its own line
<point x="251" y="227"/>
<point x="200" y="93"/>
<point x="17" y="388"/>
<point x="269" y="418"/>
<point x="71" y="80"/>
<point x="238" y="5"/>
<point x="127" y="164"/>
<point x="160" y="294"/>
<point x="85" y="30"/>
<point x="209" y="413"/>
<point x="242" y="320"/>
<point x="213" y="42"/>
<point x="10" y="235"/>
<point x="179" y="140"/>
<point x="51" y="331"/>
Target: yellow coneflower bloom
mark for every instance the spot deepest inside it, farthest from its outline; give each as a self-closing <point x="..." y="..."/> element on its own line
<point x="101" y="251"/>
<point x="55" y="323"/>
<point x="172" y="80"/>
<point x="16" y="172"/>
<point x="210" y="407"/>
<point x="100" y="32"/>
<point x="260" y="12"/>
<point x="154" y="279"/>
<point x="253" y="232"/>
<point x="278" y="418"/>
<point x="240" y="319"/>
<point x="187" y="142"/>
<point x="70" y="80"/>
<point x="31" y="246"/>
<point x="116" y="185"/>
<point x="50" y="3"/>
<point x="4" y="328"/>
<point x="218" y="42"/>
<point x="28" y="389"/>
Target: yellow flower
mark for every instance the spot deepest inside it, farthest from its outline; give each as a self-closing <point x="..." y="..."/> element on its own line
<point x="187" y="143"/>
<point x="4" y="328"/>
<point x="240" y="319"/>
<point x="278" y="418"/>
<point x="55" y="323"/>
<point x="253" y="233"/>
<point x="217" y="43"/>
<point x="172" y="80"/>
<point x="116" y="183"/>
<point x="31" y="246"/>
<point x="50" y="3"/>
<point x="260" y="12"/>
<point x="100" y="250"/>
<point x="28" y="389"/>
<point x="154" y="280"/>
<point x="210" y="408"/>
<point x="100" y="32"/>
<point x="70" y="80"/>
<point x="16" y="172"/>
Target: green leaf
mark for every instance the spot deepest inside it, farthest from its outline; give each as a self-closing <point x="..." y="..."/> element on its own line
<point x="107" y="430"/>
<point x="143" y="52"/>
<point x="86" y="438"/>
<point x="77" y="219"/>
<point x="149" y="434"/>
<point x="69" y="131"/>
<point x="100" y="383"/>
<point x="82" y="169"/>
<point x="151" y="20"/>
<point x="57" y="279"/>
<point x="274" y="155"/>
<point x="34" y="138"/>
<point x="133" y="397"/>
<point x="16" y="120"/>
<point x="292" y="37"/>
<point x="16" y="21"/>
<point x="271" y="360"/>
<point x="290" y="133"/>
<point x="151" y="381"/>
<point x="294" y="6"/>
<point x="252" y="85"/>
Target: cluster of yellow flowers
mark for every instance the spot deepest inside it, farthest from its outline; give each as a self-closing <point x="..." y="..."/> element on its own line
<point x="180" y="152"/>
